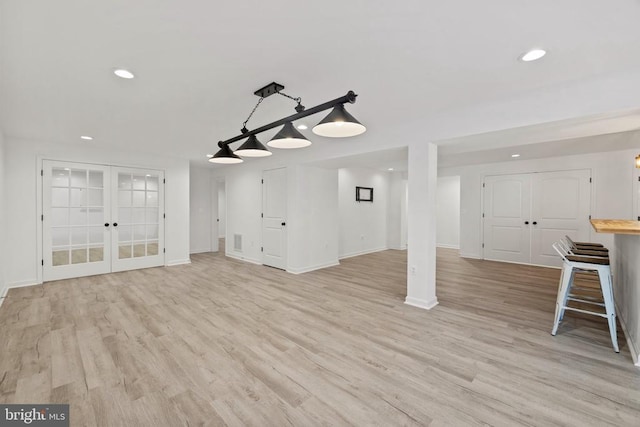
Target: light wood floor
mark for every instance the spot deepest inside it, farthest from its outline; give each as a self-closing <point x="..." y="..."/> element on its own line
<point x="224" y="342"/>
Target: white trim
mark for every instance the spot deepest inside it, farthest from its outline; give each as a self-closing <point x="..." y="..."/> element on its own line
<point x="633" y="348"/>
<point x="557" y="267"/>
<point x="313" y="268"/>
<point x="22" y="284"/>
<point x="447" y="246"/>
<point x="368" y="251"/>
<point x="420" y="303"/>
<point x="472" y="256"/>
<point x="201" y="251"/>
<point x="177" y="262"/>
<point x="249" y="260"/>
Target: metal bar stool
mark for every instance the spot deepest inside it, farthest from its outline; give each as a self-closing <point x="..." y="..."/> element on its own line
<point x="572" y="264"/>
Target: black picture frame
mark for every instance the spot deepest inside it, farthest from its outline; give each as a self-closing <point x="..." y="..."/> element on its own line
<point x="364" y="194"/>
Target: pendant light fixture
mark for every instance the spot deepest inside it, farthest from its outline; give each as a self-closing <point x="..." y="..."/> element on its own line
<point x="289" y="137"/>
<point x="339" y="123"/>
<point x="253" y="148"/>
<point x="225" y="156"/>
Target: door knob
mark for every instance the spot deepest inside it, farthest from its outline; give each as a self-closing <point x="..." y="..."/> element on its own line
<point x="115" y="224"/>
<point x="535" y="223"/>
<point x="526" y="222"/>
<point x="283" y="224"/>
<point x="106" y="224"/>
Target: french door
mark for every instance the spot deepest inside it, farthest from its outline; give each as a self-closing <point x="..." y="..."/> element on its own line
<point x="524" y="214"/>
<point x="99" y="219"/>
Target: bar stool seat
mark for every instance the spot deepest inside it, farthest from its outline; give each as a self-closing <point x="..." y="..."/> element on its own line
<point x="572" y="264"/>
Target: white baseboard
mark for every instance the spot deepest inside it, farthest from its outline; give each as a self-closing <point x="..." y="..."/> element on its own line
<point x="633" y="348"/>
<point x="368" y="251"/>
<point x="444" y="245"/>
<point x="200" y="251"/>
<point x="178" y="262"/>
<point x="239" y="258"/>
<point x="420" y="303"/>
<point x="472" y="256"/>
<point x="313" y="268"/>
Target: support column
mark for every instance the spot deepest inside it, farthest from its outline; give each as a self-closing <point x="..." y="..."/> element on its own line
<point x="421" y="257"/>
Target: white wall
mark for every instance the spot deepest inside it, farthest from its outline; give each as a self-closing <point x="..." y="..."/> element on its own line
<point x="363" y="225"/>
<point x="397" y="211"/>
<point x="203" y="203"/>
<point x="23" y="163"/>
<point x="244" y="205"/>
<point x="611" y="196"/>
<point x="313" y="218"/>
<point x="3" y="204"/>
<point x="448" y="208"/>
<point x="222" y="209"/>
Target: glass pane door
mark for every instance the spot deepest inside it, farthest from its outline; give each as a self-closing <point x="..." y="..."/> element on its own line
<point x="138" y="212"/>
<point x="76" y="231"/>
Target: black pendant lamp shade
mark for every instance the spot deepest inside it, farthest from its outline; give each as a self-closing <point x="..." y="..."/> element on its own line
<point x="338" y="124"/>
<point x="225" y="156"/>
<point x="253" y="148"/>
<point x="288" y="137"/>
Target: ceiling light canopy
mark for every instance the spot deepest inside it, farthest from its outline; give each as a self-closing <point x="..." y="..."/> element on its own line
<point x="339" y="123"/>
<point x="86" y="137"/>
<point x="124" y="74"/>
<point x="533" y="55"/>
<point x="515" y="155"/>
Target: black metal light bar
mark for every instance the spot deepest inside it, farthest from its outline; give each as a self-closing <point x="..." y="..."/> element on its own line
<point x="350" y="97"/>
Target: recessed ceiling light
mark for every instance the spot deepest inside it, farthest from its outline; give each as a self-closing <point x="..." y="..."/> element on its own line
<point x="86" y="137"/>
<point x="302" y="126"/>
<point x="390" y="169"/>
<point x="533" y="54"/>
<point x="515" y="155"/>
<point x="125" y="74"/>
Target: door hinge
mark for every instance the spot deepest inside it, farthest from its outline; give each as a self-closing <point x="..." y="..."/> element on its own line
<point x="164" y="215"/>
<point x="589" y="216"/>
<point x="483" y="185"/>
<point x="41" y="172"/>
<point x="483" y="245"/>
<point x="262" y="215"/>
<point x="41" y="217"/>
<point x="164" y="181"/>
<point x="639" y="218"/>
<point x="42" y="262"/>
<point x="262" y="181"/>
<point x="261" y="249"/>
<point x="482" y="214"/>
<point x="590" y="179"/>
<point x="164" y="250"/>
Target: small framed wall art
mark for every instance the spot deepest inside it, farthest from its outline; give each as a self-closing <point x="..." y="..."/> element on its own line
<point x="364" y="194"/>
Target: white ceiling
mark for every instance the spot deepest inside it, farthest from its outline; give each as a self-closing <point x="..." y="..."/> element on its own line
<point x="198" y="62"/>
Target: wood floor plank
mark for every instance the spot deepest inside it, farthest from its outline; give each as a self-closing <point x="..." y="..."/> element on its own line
<point x="221" y="342"/>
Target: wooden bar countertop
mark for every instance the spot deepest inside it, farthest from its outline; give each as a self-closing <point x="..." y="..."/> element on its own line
<point x="616" y="226"/>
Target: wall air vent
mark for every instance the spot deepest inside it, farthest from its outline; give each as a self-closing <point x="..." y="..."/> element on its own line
<point x="237" y="242"/>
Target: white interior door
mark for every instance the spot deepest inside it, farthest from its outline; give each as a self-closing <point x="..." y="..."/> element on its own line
<point x="507" y="207"/>
<point x="137" y="218"/>
<point x="561" y="203"/>
<point x="75" y="219"/>
<point x="274" y="209"/>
